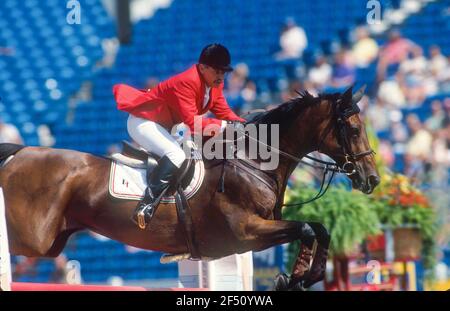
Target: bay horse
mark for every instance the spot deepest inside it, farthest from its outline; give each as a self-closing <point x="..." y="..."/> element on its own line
<point x="52" y="193"/>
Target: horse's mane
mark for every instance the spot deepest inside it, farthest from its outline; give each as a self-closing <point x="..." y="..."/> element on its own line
<point x="289" y="110"/>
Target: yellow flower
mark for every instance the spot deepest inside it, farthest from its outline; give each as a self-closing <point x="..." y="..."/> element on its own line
<point x="405" y="189"/>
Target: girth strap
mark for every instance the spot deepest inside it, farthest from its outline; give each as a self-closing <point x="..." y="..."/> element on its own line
<point x="184" y="213"/>
<point x="185" y="218"/>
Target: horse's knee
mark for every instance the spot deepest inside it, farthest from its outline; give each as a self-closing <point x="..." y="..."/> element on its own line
<point x="30" y="250"/>
<point x="42" y="249"/>
<point x="307" y="234"/>
<point x="322" y="234"/>
<point x="35" y="245"/>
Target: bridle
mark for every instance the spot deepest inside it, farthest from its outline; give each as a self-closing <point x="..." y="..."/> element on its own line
<point x="341" y="116"/>
<point x="349" y="166"/>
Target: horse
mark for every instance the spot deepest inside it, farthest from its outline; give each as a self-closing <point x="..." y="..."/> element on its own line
<point x="52" y="193"/>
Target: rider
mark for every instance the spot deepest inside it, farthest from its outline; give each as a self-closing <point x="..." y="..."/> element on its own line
<point x="176" y="100"/>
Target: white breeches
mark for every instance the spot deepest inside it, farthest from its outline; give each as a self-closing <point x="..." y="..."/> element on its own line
<point x="153" y="137"/>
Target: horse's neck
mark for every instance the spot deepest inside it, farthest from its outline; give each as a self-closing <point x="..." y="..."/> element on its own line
<point x="298" y="141"/>
<point x="289" y="137"/>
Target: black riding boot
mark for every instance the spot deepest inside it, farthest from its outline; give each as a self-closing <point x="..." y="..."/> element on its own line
<point x="158" y="183"/>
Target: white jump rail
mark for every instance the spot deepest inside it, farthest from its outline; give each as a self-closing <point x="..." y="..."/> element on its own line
<point x="231" y="273"/>
<point x="5" y="263"/>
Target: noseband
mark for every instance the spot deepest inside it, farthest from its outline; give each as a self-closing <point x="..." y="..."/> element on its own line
<point x="349" y="166"/>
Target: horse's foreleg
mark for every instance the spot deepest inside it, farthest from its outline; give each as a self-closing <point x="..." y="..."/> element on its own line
<point x="318" y="266"/>
<point x="261" y="234"/>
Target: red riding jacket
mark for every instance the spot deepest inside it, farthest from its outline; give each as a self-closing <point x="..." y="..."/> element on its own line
<point x="175" y="100"/>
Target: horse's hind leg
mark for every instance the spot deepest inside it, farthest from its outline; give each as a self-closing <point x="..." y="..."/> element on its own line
<point x="37" y="221"/>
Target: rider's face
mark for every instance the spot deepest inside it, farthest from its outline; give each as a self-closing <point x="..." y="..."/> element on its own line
<point x="213" y="77"/>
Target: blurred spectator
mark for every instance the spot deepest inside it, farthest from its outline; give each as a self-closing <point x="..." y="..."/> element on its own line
<point x="241" y="70"/>
<point x="378" y="115"/>
<point x="365" y="49"/>
<point x="444" y="78"/>
<point x="249" y="94"/>
<point x="110" y="48"/>
<point x="412" y="77"/>
<point x="115" y="281"/>
<point x="84" y="94"/>
<point x="436" y="120"/>
<point x="393" y="53"/>
<point x="419" y="145"/>
<point x="447" y="109"/>
<point x="399" y="133"/>
<point x="46" y="139"/>
<point x="236" y="83"/>
<point x="59" y="275"/>
<point x="28" y="267"/>
<point x="293" y="42"/>
<point x="24" y="266"/>
<point x="386" y="152"/>
<point x="9" y="134"/>
<point x="390" y="92"/>
<point x="113" y="148"/>
<point x="418" y="150"/>
<point x="438" y="63"/>
<point x="320" y="74"/>
<point x="343" y="71"/>
<point x="414" y="63"/>
<point x="440" y="156"/>
<point x="6" y="51"/>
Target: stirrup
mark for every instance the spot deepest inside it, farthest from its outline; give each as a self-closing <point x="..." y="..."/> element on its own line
<point x="143" y="212"/>
<point x="141" y="219"/>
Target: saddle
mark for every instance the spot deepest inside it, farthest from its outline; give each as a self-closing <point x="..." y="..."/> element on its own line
<point x="140" y="158"/>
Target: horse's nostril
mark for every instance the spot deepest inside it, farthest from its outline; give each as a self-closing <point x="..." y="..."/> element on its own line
<point x="374" y="180"/>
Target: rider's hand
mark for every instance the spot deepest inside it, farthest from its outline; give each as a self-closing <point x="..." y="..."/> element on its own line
<point x="238" y="126"/>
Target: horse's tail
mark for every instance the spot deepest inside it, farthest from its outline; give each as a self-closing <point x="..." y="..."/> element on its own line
<point x="7" y="150"/>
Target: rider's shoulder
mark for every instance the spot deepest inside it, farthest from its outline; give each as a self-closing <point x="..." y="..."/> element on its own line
<point x="187" y="78"/>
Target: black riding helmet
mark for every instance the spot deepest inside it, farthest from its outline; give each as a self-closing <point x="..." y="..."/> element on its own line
<point x="216" y="56"/>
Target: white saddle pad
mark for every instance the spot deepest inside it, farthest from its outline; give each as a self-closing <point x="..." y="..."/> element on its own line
<point x="130" y="183"/>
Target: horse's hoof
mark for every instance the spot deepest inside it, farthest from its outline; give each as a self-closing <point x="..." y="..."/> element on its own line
<point x="298" y="287"/>
<point x="316" y="276"/>
<point x="310" y="282"/>
<point x="281" y="282"/>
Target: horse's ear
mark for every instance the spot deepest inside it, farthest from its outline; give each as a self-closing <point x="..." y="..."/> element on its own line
<point x="346" y="97"/>
<point x="358" y="95"/>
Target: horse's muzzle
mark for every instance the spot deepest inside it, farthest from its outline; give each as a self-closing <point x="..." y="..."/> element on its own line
<point x="372" y="182"/>
<point x="369" y="185"/>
